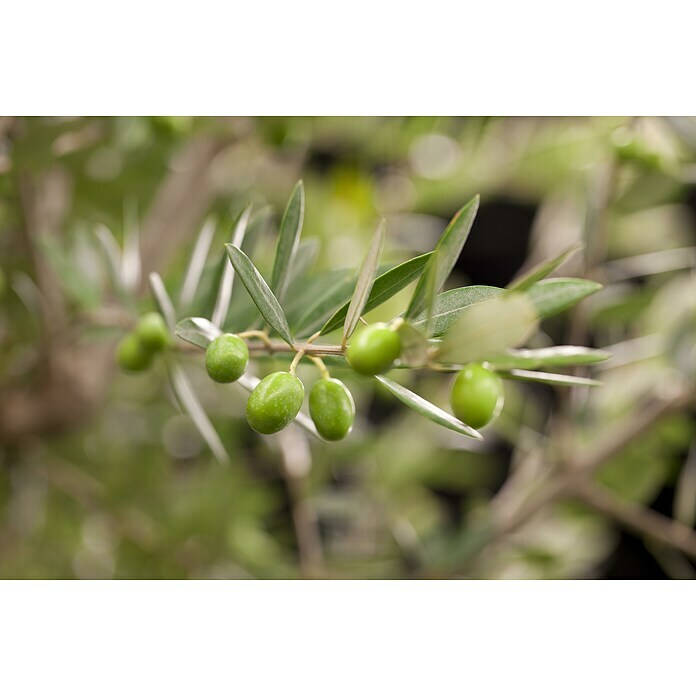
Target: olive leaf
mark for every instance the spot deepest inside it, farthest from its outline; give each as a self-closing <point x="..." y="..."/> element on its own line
<point x="197" y="263"/>
<point x="162" y="299"/>
<point x="190" y="404"/>
<point x="366" y="277"/>
<point x="197" y="330"/>
<point x="259" y="292"/>
<point x="489" y="328"/>
<point x="448" y="250"/>
<point x="131" y="264"/>
<point x="549" y="378"/>
<point x="555" y="295"/>
<point x="288" y="241"/>
<point x="323" y="296"/>
<point x="543" y="269"/>
<point x="385" y="287"/>
<point x="111" y="254"/>
<point x="222" y="304"/>
<point x="555" y="356"/>
<point x="428" y="410"/>
<point x="307" y="254"/>
<point x="448" y="307"/>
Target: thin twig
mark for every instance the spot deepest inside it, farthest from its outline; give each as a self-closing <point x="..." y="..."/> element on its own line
<point x="296" y="465"/>
<point x="638" y="518"/>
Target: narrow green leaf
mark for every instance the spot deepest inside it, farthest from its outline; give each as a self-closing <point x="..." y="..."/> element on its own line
<point x="162" y="299"/>
<point x="307" y="254"/>
<point x="428" y="410"/>
<point x="448" y="250"/>
<point x="384" y="288"/>
<point x="556" y="356"/>
<point x="111" y="254"/>
<point x="131" y="263"/>
<point x="545" y="268"/>
<point x="448" y="306"/>
<point x="288" y="240"/>
<point x="489" y="328"/>
<point x="222" y="304"/>
<point x="322" y="298"/>
<point x="190" y="404"/>
<point x="366" y="278"/>
<point x="197" y="330"/>
<point x="549" y="378"/>
<point x="197" y="263"/>
<point x="259" y="292"/>
<point x="429" y="280"/>
<point x="555" y="295"/>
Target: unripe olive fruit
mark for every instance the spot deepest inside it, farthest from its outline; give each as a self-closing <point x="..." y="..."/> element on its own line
<point x="153" y="332"/>
<point x="132" y="355"/>
<point x="226" y="358"/>
<point x="373" y="349"/>
<point x="332" y="409"/>
<point x="275" y="402"/>
<point x="477" y="395"/>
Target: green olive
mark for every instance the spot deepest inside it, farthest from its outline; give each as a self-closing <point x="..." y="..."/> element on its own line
<point x="132" y="355"/>
<point x="226" y="358"/>
<point x="153" y="332"/>
<point x="275" y="402"/>
<point x="332" y="409"/>
<point x="373" y="349"/>
<point x="477" y="395"/>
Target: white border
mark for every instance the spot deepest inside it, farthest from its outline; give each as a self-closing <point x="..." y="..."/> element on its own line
<point x="364" y="57"/>
<point x="335" y="638"/>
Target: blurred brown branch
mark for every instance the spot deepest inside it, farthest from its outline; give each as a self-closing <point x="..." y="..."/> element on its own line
<point x="71" y="375"/>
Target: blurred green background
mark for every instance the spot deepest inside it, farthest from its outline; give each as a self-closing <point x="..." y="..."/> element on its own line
<point x="101" y="475"/>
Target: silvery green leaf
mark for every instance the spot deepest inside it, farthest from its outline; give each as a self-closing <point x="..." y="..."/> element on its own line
<point x="425" y="408"/>
<point x="163" y="300"/>
<point x="549" y="378"/>
<point x="197" y="330"/>
<point x="366" y="278"/>
<point x="131" y="263"/>
<point x="448" y="250"/>
<point x="555" y="295"/>
<point x="448" y="306"/>
<point x="222" y="304"/>
<point x="111" y="254"/>
<point x="545" y="268"/>
<point x="306" y="257"/>
<point x="489" y="328"/>
<point x="322" y="298"/>
<point x="260" y="293"/>
<point x="192" y="406"/>
<point x="385" y="286"/>
<point x="555" y="356"/>
<point x="197" y="263"/>
<point x="288" y="240"/>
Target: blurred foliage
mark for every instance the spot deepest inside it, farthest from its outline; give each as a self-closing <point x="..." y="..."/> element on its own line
<point x="130" y="490"/>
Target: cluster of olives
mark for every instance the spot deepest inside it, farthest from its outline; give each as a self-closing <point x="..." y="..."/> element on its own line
<point x="476" y="397"/>
<point x="138" y="348"/>
<point x="278" y="397"/>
